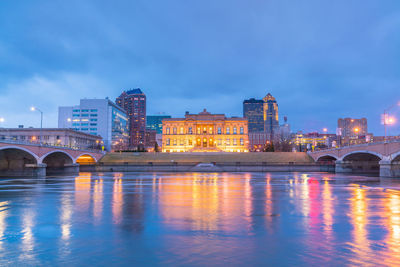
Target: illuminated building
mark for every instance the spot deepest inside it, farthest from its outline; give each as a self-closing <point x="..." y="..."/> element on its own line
<point x="205" y="132"/>
<point x="134" y="103"/>
<point x="271" y="118"/>
<point x="97" y="117"/>
<point x="52" y="137"/>
<point x="313" y="141"/>
<point x="253" y="111"/>
<point x="352" y="127"/>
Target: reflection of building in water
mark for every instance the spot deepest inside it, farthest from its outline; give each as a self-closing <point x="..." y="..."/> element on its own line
<point x="65" y="216"/>
<point x="133" y="210"/>
<point x="98" y="200"/>
<point x="117" y="199"/>
<point x="358" y="215"/>
<point x="82" y="191"/>
<point x="391" y="222"/>
<point x="28" y="240"/>
<point x="205" y="132"/>
<point x="3" y="223"/>
<point x="210" y="201"/>
<point x="327" y="207"/>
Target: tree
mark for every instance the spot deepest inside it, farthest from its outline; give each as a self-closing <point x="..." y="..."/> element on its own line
<point x="269" y="147"/>
<point x="156" y="147"/>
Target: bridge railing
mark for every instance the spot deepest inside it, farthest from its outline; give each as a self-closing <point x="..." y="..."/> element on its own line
<point x="358" y="145"/>
<point x="21" y="142"/>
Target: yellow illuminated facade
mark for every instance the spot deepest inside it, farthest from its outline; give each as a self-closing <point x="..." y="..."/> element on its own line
<point x="205" y="132"/>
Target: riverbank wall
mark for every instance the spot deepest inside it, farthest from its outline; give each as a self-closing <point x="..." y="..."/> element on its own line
<point x="208" y="162"/>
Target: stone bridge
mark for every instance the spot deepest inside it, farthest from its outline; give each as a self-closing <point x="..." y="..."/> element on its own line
<point x="382" y="158"/>
<point x="26" y="159"/>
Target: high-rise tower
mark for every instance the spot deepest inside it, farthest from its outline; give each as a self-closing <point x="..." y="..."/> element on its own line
<point x="271" y="118"/>
<point x="134" y="103"/>
<point x="253" y="111"/>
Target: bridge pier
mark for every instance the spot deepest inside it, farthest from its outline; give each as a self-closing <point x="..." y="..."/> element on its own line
<point x="388" y="169"/>
<point x="343" y="167"/>
<point x="66" y="169"/>
<point x="29" y="170"/>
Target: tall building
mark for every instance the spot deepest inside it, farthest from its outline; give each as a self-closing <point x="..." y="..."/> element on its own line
<point x="97" y="117"/>
<point x="154" y="122"/>
<point x="134" y="103"/>
<point x="352" y="127"/>
<point x="271" y="118"/>
<point x="253" y="111"/>
<point x="205" y="132"/>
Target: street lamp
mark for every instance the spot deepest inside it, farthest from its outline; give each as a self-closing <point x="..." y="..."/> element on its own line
<point x="41" y="121"/>
<point x="387" y="120"/>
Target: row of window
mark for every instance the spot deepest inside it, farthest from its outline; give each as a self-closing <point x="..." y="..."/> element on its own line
<point x="199" y="142"/>
<point x="84" y="124"/>
<point x="203" y="130"/>
<point x="84" y="110"/>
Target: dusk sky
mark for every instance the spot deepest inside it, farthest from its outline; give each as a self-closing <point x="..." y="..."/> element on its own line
<point x="321" y="59"/>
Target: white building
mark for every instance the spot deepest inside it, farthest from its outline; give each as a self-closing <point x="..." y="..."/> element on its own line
<point x="98" y="117"/>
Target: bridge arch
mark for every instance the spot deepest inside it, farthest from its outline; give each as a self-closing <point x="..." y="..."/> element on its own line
<point x="15" y="160"/>
<point x="85" y="158"/>
<point x="366" y="153"/>
<point x="56" y="161"/>
<point x="326" y="157"/>
<point x="395" y="157"/>
<point x="362" y="161"/>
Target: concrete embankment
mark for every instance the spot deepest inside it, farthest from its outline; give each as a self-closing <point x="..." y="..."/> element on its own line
<point x="208" y="162"/>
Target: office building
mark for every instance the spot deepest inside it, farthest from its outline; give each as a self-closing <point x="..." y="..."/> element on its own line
<point x="134" y="103"/>
<point x="205" y="132"/>
<point x="253" y="111"/>
<point x="352" y="127"/>
<point x="97" y="117"/>
<point x="154" y="122"/>
<point x="271" y="117"/>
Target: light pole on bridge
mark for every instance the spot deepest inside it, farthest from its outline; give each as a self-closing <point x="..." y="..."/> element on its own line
<point x="41" y="122"/>
<point x="388" y="120"/>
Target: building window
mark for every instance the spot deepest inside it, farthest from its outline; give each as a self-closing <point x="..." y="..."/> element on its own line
<point x="234" y="130"/>
<point x="181" y="142"/>
<point x="93" y="119"/>
<point x="174" y="142"/>
<point x="75" y="115"/>
<point x="168" y="142"/>
<point x="234" y="142"/>
<point x="85" y="115"/>
<point x="228" y="130"/>
<point x="204" y="142"/>
<point x="228" y="142"/>
<point x="219" y="130"/>
<point x="174" y="130"/>
<point x="241" y="130"/>
<point x="205" y="130"/>
<point x="211" y="142"/>
<point x="167" y="131"/>
<point x="219" y="142"/>
<point x="93" y="129"/>
<point x="190" y="130"/>
<point x="93" y="110"/>
<point x="211" y="130"/>
<point x="93" y="115"/>
<point x="93" y="124"/>
<point x="190" y="142"/>
<point x="85" y="110"/>
<point x="181" y="130"/>
<point x="241" y="142"/>
<point x="198" y="130"/>
<point x="84" y="124"/>
<point x="76" y="110"/>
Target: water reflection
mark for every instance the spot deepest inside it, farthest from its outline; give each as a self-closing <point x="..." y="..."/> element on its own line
<point x="202" y="218"/>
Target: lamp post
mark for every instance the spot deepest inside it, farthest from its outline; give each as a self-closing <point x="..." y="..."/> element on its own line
<point x="387" y="120"/>
<point x="41" y="122"/>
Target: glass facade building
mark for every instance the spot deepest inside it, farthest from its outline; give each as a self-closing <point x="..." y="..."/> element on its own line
<point x="154" y="122"/>
<point x="98" y="117"/>
<point x="253" y="111"/>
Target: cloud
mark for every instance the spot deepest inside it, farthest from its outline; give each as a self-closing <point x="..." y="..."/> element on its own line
<point x="46" y="93"/>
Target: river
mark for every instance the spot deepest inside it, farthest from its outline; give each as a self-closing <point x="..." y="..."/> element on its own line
<point x="200" y="219"/>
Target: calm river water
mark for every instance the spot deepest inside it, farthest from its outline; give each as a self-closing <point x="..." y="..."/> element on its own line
<point x="200" y="219"/>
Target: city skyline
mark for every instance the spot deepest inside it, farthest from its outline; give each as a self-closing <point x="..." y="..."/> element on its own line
<point x="320" y="62"/>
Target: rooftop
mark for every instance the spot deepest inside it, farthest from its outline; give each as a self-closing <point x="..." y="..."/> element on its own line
<point x="135" y="91"/>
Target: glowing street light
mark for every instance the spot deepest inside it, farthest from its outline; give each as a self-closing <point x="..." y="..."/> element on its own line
<point x="325" y="130"/>
<point x="41" y="122"/>
<point x="2" y="120"/>
<point x="388" y="120"/>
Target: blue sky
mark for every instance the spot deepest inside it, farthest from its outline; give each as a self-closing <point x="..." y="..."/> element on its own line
<point x="321" y="59"/>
